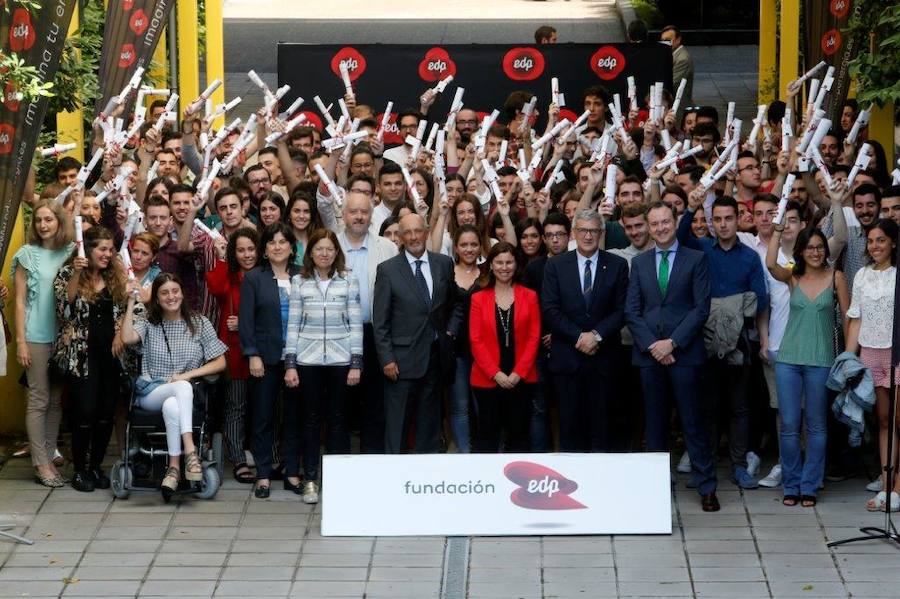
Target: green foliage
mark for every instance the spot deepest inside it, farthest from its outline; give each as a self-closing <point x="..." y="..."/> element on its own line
<point x="25" y="79"/>
<point x="876" y="24"/>
<point x="76" y="80"/>
<point x="648" y="12"/>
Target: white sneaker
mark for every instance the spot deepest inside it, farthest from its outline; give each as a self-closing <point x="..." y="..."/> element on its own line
<point x="310" y="492"/>
<point x="773" y="478"/>
<point x="876" y="485"/>
<point x="684" y="465"/>
<point x="753" y="463"/>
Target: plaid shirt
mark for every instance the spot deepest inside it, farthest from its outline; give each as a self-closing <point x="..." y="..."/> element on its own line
<point x="188" y="351"/>
<point x="854" y="254"/>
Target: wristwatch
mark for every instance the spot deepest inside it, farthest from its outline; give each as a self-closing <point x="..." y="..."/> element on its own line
<point x="674" y="344"/>
<point x="597" y="337"/>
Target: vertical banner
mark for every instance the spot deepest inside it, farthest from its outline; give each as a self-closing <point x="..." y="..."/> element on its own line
<point x="131" y="32"/>
<point x="824" y="21"/>
<point x="36" y="37"/>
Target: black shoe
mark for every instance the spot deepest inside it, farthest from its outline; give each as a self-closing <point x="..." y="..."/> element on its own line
<point x="261" y="492"/>
<point x="83" y="481"/>
<point x="289" y="486"/>
<point x="101" y="481"/>
<point x="710" y="502"/>
<point x="277" y="473"/>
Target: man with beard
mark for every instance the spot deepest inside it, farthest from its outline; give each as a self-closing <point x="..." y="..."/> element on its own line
<point x="391" y="191"/>
<point x="866" y="204"/>
<point x="260" y="182"/>
<point x="707" y="135"/>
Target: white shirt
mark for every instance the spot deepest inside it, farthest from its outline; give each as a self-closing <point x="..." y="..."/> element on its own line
<point x="426" y="270"/>
<point x="379" y="215"/>
<point x="581" y="262"/>
<point x="358" y="263"/>
<point x="670" y="257"/>
<point x="872" y="302"/>
<point x="779" y="293"/>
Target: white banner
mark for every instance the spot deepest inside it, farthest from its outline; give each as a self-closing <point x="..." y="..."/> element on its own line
<point x="496" y="494"/>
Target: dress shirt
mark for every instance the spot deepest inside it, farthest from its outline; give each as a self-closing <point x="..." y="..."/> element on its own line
<point x="581" y="261"/>
<point x="426" y="270"/>
<point x="672" y="250"/>
<point x="358" y="263"/>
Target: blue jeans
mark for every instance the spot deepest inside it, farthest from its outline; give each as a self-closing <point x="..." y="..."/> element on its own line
<point x="459" y="405"/>
<point x="796" y="383"/>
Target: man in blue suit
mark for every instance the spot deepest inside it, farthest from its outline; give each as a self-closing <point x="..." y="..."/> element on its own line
<point x="668" y="303"/>
<point x="583" y="305"/>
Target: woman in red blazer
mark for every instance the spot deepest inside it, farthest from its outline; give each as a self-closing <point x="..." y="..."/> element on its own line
<point x="224" y="283"/>
<point x="505" y="332"/>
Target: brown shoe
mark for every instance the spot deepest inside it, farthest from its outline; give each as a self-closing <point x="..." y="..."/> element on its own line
<point x="192" y="468"/>
<point x="710" y="502"/>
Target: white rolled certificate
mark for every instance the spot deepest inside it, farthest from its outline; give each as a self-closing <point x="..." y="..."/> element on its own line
<point x="211" y="233"/>
<point x="345" y="77"/>
<point x="79" y="236"/>
<point x="862" y="119"/>
<point x="609" y="189"/>
<point x="678" y="94"/>
<point x="57" y="149"/>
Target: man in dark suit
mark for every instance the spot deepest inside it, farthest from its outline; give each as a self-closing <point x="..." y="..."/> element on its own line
<point x="416" y="314"/>
<point x="668" y="303"/>
<point x="583" y="304"/>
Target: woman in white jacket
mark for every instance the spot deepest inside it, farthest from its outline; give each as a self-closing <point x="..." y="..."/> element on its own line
<point x="324" y="347"/>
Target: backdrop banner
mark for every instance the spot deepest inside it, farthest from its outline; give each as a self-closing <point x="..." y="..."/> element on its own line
<point x="823" y="40"/>
<point x="36" y="36"/>
<point x="488" y="73"/>
<point x="131" y="32"/>
<point x="496" y="494"/>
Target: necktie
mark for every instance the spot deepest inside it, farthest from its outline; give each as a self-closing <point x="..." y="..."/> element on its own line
<point x="588" y="283"/>
<point x="663" y="276"/>
<point x="422" y="284"/>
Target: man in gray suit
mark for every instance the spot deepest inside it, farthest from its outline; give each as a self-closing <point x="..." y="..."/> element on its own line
<point x="682" y="63"/>
<point x="416" y="314"/>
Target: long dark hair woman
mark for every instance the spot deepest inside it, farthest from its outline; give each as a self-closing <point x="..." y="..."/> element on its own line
<point x="90" y="297"/>
<point x="262" y="325"/>
<point x="224" y="283"/>
<point x="505" y="333"/>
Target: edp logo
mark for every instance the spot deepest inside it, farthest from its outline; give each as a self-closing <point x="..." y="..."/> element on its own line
<point x="523" y="64"/>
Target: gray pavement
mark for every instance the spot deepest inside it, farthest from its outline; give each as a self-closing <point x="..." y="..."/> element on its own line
<point x="89" y="545"/>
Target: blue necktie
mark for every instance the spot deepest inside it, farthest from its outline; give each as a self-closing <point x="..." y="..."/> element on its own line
<point x="588" y="283"/>
<point x="422" y="284"/>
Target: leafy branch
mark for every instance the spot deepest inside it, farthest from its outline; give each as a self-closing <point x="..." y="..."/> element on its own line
<point x="877" y="65"/>
<point x="24" y="79"/>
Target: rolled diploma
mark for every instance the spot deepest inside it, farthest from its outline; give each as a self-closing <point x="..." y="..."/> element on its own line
<point x="501" y="158"/>
<point x="550" y="134"/>
<point x="385" y="119"/>
<point x="552" y="178"/>
<point x="609" y="189"/>
<point x="862" y="119"/>
<point x="820" y="163"/>
<point x="785" y="194"/>
<point x="79" y="236"/>
<point x="817" y="137"/>
<point x="323" y="177"/>
<point x="345" y="77"/>
<point x="57" y="149"/>
<point x="678" y="94"/>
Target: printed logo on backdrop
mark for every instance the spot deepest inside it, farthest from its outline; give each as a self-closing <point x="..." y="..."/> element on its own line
<point x="391" y="132"/>
<point x="607" y="63"/>
<point x="831" y="42"/>
<point x="312" y="119"/>
<point x="352" y="58"/>
<point x="21" y="31"/>
<point x="523" y="64"/>
<point x="541" y="488"/>
<point x="839" y="8"/>
<point x="436" y="65"/>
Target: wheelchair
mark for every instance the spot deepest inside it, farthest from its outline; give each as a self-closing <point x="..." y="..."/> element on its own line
<point x="146" y="455"/>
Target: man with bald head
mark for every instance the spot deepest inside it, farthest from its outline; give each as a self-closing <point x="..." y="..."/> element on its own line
<point x="364" y="251"/>
<point x="416" y="316"/>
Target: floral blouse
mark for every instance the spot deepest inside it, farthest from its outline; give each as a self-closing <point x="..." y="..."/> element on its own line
<point x="71" y="350"/>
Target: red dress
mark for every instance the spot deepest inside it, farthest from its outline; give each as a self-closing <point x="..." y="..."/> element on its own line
<point x="226" y="288"/>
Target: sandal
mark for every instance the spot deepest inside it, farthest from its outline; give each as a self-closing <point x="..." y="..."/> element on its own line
<point x="808" y="500"/>
<point x="242" y="473"/>
<point x="879" y="502"/>
<point x="170" y="480"/>
<point x="192" y="469"/>
<point x="790" y="500"/>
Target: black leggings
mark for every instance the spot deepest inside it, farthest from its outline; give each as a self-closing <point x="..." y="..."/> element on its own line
<point x="92" y="408"/>
<point x="502" y="410"/>
<point x="324" y="392"/>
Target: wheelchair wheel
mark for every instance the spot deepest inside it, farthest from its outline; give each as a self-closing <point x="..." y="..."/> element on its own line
<point x="218" y="455"/>
<point x="120" y="478"/>
<point x="209" y="486"/>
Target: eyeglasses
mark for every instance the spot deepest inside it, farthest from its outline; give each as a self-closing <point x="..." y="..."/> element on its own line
<point x="257" y="181"/>
<point x="815" y="248"/>
<point x="592" y="232"/>
<point x="750" y="167"/>
<point x="466" y="122"/>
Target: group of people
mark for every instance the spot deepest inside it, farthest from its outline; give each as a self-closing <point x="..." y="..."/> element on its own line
<point x="463" y="300"/>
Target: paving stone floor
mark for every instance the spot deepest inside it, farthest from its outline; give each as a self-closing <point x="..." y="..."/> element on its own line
<point x="89" y="545"/>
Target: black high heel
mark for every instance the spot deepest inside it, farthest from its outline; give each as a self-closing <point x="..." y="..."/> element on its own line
<point x="289" y="486"/>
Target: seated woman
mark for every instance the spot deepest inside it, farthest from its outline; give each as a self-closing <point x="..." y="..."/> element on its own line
<point x="178" y="346"/>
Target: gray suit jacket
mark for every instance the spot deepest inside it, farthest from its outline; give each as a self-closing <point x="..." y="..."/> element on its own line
<point x="404" y="327"/>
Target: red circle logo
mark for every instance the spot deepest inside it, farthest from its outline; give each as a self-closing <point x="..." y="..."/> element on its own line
<point x="11" y="97"/>
<point x="831" y="41"/>
<point x="7" y="133"/>
<point x="355" y="62"/>
<point x="139" y="22"/>
<point x="523" y="64"/>
<point x="436" y="65"/>
<point x="312" y="119"/>
<point x="21" y="31"/>
<point x="607" y="63"/>
<point x="839" y="8"/>
<point x="127" y="56"/>
<point x="566" y="113"/>
<point x="391" y="132"/>
<point x="127" y="4"/>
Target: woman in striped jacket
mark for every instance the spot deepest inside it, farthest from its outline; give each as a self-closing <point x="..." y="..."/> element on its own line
<point x="323" y="351"/>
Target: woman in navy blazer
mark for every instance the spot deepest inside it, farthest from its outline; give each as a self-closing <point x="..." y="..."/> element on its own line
<point x="505" y="332"/>
<point x="262" y="325"/>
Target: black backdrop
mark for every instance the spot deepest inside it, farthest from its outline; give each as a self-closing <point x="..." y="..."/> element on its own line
<point x="488" y="72"/>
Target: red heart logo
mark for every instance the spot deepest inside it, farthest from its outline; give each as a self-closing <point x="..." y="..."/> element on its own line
<point x="523" y="64"/>
<point x="391" y="133"/>
<point x="127" y="56"/>
<point x="356" y="62"/>
<point x="21" y="31"/>
<point x="139" y="22"/>
<point x="839" y="8"/>
<point x="831" y="41"/>
<point x="10" y="97"/>
<point x="541" y="488"/>
<point x="607" y="63"/>
<point x="127" y="5"/>
<point x="436" y="65"/>
<point x="7" y="132"/>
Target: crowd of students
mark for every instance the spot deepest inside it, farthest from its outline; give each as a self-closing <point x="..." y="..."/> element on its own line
<point x="462" y="299"/>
